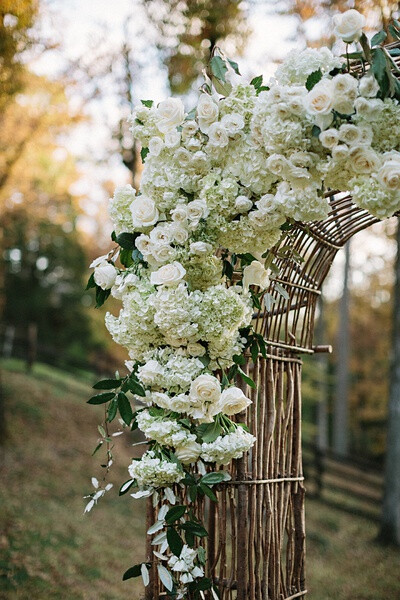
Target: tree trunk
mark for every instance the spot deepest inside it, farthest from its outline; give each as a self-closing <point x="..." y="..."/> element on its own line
<point x="340" y="416"/>
<point x="390" y="523"/>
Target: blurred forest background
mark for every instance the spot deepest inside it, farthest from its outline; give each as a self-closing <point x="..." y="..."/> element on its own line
<point x="65" y="145"/>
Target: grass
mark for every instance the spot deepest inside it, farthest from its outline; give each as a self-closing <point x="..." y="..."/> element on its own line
<point x="50" y="551"/>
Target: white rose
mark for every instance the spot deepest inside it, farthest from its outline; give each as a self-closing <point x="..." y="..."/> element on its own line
<point x="183" y="157"/>
<point x="277" y="164"/>
<point x="199" y="160"/>
<point x="161" y="399"/>
<point x="389" y="173"/>
<point x="162" y="253"/>
<point x="180" y="213"/>
<point x="193" y="144"/>
<point x="344" y="83"/>
<point x="329" y="138"/>
<point x="243" y="204"/>
<point x="368" y="86"/>
<point x="200" y="248"/>
<point x="207" y="112"/>
<point x="196" y="349"/>
<point x="143" y="244"/>
<point x="256" y="274"/>
<point x="348" y="26"/>
<point x="233" y="123"/>
<point x="144" y="212"/>
<point x="197" y="209"/>
<point x="343" y="105"/>
<point x="257" y="218"/>
<point x="179" y="234"/>
<point x="168" y="274"/>
<point x="150" y="372"/>
<point x="363" y="159"/>
<point x="160" y="235"/>
<point x="349" y="134"/>
<point x="172" y="138"/>
<point x="368" y="109"/>
<point x="218" y="135"/>
<point x="319" y="100"/>
<point x="155" y="145"/>
<point x="323" y="121"/>
<point x="188" y="453"/>
<point x="205" y="389"/>
<point x="170" y="114"/>
<point x="233" y="401"/>
<point x="105" y="275"/>
<point x="340" y="152"/>
<point x="189" y="128"/>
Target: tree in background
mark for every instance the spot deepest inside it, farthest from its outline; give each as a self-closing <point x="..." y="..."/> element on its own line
<point x="390" y="522"/>
<point x="189" y="30"/>
<point x="16" y="21"/>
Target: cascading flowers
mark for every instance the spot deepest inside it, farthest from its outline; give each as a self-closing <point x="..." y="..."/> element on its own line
<point x="220" y="186"/>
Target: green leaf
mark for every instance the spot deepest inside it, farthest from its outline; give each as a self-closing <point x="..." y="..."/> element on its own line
<point x="246" y="378"/>
<point x="125" y="256"/>
<point x="215" y="477"/>
<point x="112" y="411"/>
<point x="191" y="114"/>
<point x="175" y="513"/>
<point x="201" y="555"/>
<point x="126" y="240"/>
<point x="218" y="68"/>
<point x="125" y="487"/>
<point x="394" y="32"/>
<point x="136" y="388"/>
<point x="205" y="360"/>
<point x="101" y="296"/>
<point x="378" y="38"/>
<point x="379" y="69"/>
<point x="315" y="131"/>
<point x="281" y="290"/>
<point x="194" y="528"/>
<point x="134" y="571"/>
<point x="352" y="55"/>
<point x="165" y="577"/>
<point x="208" y="492"/>
<point x="209" y="432"/>
<point x="257" y="81"/>
<point x="91" y="282"/>
<point x="99" y="445"/>
<point x="201" y="585"/>
<point x="174" y="540"/>
<point x="223" y="88"/>
<point x="269" y="301"/>
<point x="313" y="79"/>
<point x="113" y="236"/>
<point x="147" y="103"/>
<point x="143" y="153"/>
<point x="254" y="351"/>
<point x="394" y="52"/>
<point x="234" y="66"/>
<point x="101" y="398"/>
<point x="193" y="493"/>
<point x="107" y="384"/>
<point x="124" y="407"/>
<point x="239" y="359"/>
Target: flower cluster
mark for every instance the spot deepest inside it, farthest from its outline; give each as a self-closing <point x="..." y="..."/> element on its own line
<point x="219" y="186"/>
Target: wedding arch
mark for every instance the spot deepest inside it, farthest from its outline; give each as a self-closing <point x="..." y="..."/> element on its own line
<point x="241" y="211"/>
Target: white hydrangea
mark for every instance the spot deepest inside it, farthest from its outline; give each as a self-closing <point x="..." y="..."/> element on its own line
<point x="119" y="208"/>
<point x="227" y="447"/>
<point x="152" y="472"/>
<point x="164" y="431"/>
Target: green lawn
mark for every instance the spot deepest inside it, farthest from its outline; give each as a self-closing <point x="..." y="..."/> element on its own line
<point x="50" y="550"/>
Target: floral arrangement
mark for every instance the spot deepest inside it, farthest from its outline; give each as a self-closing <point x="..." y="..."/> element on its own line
<point x="220" y="185"/>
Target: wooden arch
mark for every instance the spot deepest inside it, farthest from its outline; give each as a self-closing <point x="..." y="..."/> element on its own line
<point x="256" y="543"/>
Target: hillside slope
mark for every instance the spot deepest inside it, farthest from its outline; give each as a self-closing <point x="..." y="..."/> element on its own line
<point x="49" y="550"/>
